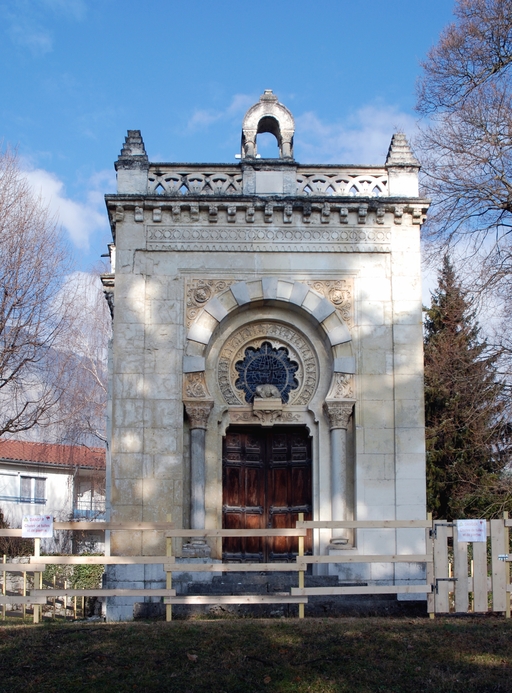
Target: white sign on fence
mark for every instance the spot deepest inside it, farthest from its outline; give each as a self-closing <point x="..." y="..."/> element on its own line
<point x="471" y="530"/>
<point x="37" y="526"/>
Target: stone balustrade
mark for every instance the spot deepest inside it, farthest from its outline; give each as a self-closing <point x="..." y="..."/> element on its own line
<point x="220" y="179"/>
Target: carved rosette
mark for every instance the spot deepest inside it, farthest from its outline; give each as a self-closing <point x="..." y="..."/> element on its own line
<point x="199" y="292"/>
<point x="339" y="413"/>
<point x="339" y="292"/>
<point x="279" y="335"/>
<point x="198" y="413"/>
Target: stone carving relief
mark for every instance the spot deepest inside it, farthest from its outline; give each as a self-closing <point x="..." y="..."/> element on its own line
<point x="342" y="386"/>
<point x="266" y="239"/>
<point x="198" y="413"/>
<point x="338" y="413"/>
<point x="267" y="391"/>
<point x="195" y="386"/>
<point x="339" y="292"/>
<point x="199" y="292"/>
<point x="263" y="417"/>
<point x="279" y="336"/>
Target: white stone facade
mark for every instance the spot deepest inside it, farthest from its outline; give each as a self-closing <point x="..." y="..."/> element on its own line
<point x="322" y="261"/>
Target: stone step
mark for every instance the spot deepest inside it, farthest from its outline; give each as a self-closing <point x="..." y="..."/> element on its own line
<point x="249" y="583"/>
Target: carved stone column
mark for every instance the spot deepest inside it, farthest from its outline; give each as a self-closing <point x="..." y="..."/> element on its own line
<point x="198" y="413"/>
<point x="342" y="487"/>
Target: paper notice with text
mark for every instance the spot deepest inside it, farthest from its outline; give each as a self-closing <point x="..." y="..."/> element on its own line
<point x="37" y="526"/>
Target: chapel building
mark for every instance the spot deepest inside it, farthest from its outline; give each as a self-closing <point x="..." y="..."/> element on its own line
<point x="267" y="348"/>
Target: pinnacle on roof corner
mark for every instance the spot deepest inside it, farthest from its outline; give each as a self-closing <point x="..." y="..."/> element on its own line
<point x="400" y="152"/>
<point x="133" y="145"/>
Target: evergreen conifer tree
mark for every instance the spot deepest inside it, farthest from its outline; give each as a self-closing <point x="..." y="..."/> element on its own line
<point x="466" y="431"/>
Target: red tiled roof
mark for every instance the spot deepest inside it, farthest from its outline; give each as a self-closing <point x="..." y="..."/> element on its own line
<point x="50" y="453"/>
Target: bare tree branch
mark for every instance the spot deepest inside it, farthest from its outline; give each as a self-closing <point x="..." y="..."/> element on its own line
<point x="471" y="52"/>
<point x="33" y="314"/>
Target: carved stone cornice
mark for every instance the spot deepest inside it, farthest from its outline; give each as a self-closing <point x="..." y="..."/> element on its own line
<point x="198" y="413"/>
<point x="339" y="412"/>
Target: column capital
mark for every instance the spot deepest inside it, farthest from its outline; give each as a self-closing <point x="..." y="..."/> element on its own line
<point x="339" y="412"/>
<point x="198" y="413"/>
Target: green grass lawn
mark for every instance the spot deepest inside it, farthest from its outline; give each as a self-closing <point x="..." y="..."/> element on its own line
<point x="320" y="655"/>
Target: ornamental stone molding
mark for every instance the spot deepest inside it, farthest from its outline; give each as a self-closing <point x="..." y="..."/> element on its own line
<point x="279" y="336"/>
<point x="339" y="413"/>
<point x="267" y="239"/>
<point x="265" y="418"/>
<point x="198" y="413"/>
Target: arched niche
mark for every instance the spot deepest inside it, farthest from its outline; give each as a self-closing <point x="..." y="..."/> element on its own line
<point x="268" y="115"/>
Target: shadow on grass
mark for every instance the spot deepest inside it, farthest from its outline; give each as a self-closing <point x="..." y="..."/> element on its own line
<point x="315" y="655"/>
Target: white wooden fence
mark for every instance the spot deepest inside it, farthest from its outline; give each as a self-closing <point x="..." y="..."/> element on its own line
<point x="459" y="576"/>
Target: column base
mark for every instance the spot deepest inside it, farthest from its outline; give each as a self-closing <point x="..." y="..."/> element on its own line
<point x="198" y="548"/>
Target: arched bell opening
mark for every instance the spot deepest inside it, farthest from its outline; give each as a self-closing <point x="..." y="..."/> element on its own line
<point x="268" y="135"/>
<point x="268" y="116"/>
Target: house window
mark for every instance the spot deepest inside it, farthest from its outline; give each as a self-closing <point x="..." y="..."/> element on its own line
<point x="33" y="489"/>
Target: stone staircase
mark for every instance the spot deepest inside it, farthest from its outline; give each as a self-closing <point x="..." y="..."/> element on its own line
<point x="243" y="583"/>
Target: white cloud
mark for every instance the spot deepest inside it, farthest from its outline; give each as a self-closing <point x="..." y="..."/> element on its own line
<point x="79" y="219"/>
<point x="75" y="9"/>
<point x="27" y="21"/>
<point x="201" y="119"/>
<point x="36" y="39"/>
<point x="363" y="138"/>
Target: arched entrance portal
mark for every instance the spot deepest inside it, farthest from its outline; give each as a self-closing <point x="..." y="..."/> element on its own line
<point x="266" y="483"/>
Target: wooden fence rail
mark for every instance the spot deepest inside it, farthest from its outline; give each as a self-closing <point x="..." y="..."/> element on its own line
<point x="459" y="576"/>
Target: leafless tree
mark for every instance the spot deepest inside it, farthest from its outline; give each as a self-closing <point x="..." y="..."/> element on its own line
<point x="34" y="314"/>
<point x="466" y="150"/>
<point x="82" y="408"/>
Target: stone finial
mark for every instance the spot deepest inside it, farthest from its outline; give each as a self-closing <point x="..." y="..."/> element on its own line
<point x="400" y="153"/>
<point x="132" y="165"/>
<point x="403" y="168"/>
<point x="268" y="115"/>
<point x="133" y="146"/>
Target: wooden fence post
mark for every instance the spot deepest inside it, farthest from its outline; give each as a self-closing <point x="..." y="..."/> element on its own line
<point x="498" y="566"/>
<point x="168" y="574"/>
<point x="507" y="572"/>
<point x="37" y="609"/>
<point x="24" y="594"/>
<point x="301" y="572"/>
<point x="4" y="587"/>
<point x="441" y="588"/>
<point x="429" y="549"/>
<point x="460" y="572"/>
<point x="480" y="591"/>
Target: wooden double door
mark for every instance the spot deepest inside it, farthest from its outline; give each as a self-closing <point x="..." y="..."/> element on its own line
<point x="266" y="477"/>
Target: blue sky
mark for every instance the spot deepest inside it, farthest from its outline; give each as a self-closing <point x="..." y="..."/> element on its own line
<point x="76" y="74"/>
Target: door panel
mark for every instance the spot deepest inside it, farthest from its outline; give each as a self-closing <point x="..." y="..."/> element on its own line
<point x="266" y="482"/>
